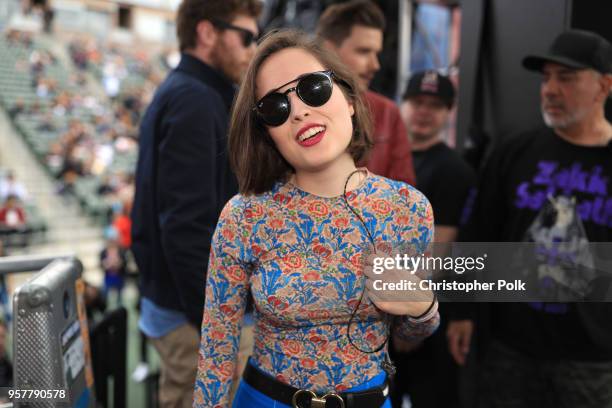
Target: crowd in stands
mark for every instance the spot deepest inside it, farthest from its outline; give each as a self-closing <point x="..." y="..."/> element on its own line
<point x="80" y="115"/>
<point x="19" y="38"/>
<point x="84" y="115"/>
<point x="122" y="73"/>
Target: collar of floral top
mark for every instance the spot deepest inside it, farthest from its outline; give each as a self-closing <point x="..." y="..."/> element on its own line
<point x="364" y="175"/>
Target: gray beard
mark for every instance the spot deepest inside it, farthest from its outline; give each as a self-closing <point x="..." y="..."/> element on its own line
<point x="565" y="122"/>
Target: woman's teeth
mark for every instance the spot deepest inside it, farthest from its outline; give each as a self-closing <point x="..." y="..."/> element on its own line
<point x="311" y="132"/>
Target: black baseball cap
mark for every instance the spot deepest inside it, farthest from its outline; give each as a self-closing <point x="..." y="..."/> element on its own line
<point x="577" y="49"/>
<point x="431" y="83"/>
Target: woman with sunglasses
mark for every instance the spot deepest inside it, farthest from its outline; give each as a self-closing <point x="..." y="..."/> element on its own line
<point x="297" y="236"/>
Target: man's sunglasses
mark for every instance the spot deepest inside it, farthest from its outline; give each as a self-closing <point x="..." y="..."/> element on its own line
<point x="314" y="89"/>
<point x="248" y="37"/>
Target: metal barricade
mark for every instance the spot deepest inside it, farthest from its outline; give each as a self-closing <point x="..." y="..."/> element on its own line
<point x="51" y="347"/>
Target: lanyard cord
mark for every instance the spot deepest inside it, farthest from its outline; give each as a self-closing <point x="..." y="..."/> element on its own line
<point x="348" y="326"/>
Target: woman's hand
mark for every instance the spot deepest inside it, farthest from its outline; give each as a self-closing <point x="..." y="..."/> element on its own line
<point x="396" y="291"/>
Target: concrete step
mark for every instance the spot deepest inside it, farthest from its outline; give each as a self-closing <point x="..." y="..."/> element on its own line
<point x="67" y="221"/>
<point x="64" y="234"/>
<point x="94" y="277"/>
<point x="67" y="213"/>
<point x="85" y="246"/>
<point x="91" y="262"/>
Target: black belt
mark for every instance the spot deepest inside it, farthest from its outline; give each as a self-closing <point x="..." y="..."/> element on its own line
<point x="372" y="398"/>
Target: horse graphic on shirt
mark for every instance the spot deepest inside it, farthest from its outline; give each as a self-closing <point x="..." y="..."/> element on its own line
<point x="565" y="264"/>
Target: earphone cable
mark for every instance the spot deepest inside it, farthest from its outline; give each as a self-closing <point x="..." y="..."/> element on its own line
<point x="354" y="312"/>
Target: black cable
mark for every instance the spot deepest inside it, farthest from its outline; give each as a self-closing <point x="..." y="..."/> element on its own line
<point x="431" y="305"/>
<point x="348" y="326"/>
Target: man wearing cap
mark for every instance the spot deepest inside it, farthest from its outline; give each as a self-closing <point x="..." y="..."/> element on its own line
<point x="442" y="175"/>
<point x="446" y="179"/>
<point x="548" y="186"/>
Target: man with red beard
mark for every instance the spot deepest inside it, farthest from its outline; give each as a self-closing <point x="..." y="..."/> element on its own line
<point x="354" y="31"/>
<point x="552" y="186"/>
<point x="183" y="181"/>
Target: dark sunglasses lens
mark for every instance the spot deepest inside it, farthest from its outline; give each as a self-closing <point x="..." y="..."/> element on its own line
<point x="274" y="109"/>
<point x="315" y="89"/>
<point x="247" y="39"/>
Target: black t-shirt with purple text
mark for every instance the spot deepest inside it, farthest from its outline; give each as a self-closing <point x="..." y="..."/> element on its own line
<point x="540" y="188"/>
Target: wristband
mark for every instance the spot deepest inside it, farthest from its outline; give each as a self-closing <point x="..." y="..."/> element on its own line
<point x="426" y="312"/>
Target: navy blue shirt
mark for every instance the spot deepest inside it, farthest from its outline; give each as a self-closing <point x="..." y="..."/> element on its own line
<point x="183" y="181"/>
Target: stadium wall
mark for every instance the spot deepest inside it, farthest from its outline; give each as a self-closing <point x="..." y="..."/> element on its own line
<point x="148" y="21"/>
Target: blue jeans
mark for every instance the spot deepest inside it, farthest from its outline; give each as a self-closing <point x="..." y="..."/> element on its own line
<point x="247" y="396"/>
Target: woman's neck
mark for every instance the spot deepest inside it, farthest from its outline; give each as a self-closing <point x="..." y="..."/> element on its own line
<point x="329" y="181"/>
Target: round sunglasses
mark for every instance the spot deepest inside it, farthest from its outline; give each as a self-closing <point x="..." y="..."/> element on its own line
<point x="314" y="89"/>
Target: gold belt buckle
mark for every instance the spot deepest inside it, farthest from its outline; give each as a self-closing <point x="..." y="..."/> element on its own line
<point x="315" y="401"/>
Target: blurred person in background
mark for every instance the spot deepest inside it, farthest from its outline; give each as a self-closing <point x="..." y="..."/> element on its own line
<point x="10" y="186"/>
<point x="12" y="215"/>
<point x="552" y="186"/>
<point x="183" y="181"/>
<point x="446" y="180"/>
<point x="354" y="31"/>
<point x="113" y="261"/>
<point x="95" y="303"/>
<point x="44" y="8"/>
<point x="123" y="225"/>
<point x="18" y="108"/>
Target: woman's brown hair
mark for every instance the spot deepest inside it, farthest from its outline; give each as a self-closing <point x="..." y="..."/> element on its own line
<point x="254" y="158"/>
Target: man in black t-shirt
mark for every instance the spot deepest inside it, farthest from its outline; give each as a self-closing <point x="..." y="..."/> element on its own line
<point x="428" y="373"/>
<point x="442" y="175"/>
<point x="548" y="186"/>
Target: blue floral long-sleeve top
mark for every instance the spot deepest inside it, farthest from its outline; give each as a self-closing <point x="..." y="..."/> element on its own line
<point x="300" y="256"/>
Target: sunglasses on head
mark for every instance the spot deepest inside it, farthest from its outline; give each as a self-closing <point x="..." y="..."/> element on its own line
<point x="248" y="37"/>
<point x="314" y="89"/>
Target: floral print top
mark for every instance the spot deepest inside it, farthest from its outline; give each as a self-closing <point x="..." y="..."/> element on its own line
<point x="300" y="256"/>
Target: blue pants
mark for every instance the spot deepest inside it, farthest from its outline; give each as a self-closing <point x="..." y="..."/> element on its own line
<point x="247" y="396"/>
